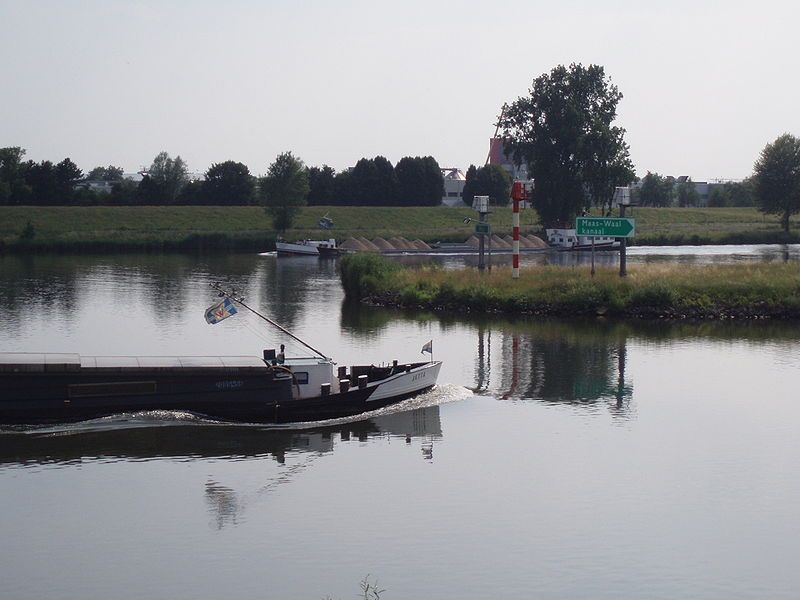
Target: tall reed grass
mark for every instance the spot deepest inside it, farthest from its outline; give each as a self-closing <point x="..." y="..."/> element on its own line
<point x="749" y="290"/>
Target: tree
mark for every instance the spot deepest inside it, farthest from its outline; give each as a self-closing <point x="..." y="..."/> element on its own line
<point x="564" y="132"/>
<point x="491" y="180"/>
<point x="109" y="173"/>
<point x="321" y="182"/>
<point x="67" y="174"/>
<point x="419" y="181"/>
<point x="718" y="197"/>
<point x="687" y="194"/>
<point x="284" y="189"/>
<point x="228" y="183"/>
<point x="164" y="180"/>
<point x="655" y="190"/>
<point x="342" y="188"/>
<point x="41" y="177"/>
<point x="373" y="182"/>
<point x="740" y="193"/>
<point x="13" y="187"/>
<point x="777" y="178"/>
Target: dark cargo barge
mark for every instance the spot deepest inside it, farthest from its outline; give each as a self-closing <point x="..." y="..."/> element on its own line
<point x="58" y="388"/>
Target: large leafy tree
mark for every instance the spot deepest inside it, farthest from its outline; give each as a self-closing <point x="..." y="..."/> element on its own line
<point x="284" y="190"/>
<point x="655" y="190"/>
<point x="14" y="189"/>
<point x="564" y="131"/>
<point x="777" y="178"/>
<point x="109" y="173"/>
<point x="228" y="183"/>
<point x="491" y="180"/>
<point x="687" y="194"/>
<point x="419" y="181"/>
<point x="322" y="187"/>
<point x="373" y="182"/>
<point x="164" y="180"/>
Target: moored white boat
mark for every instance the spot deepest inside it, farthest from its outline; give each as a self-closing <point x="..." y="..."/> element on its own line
<point x="307" y="247"/>
<point x="568" y="239"/>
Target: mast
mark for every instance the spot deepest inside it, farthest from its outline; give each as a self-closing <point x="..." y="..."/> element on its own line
<point x="240" y="300"/>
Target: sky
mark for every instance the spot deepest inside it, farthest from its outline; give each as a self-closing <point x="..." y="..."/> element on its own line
<point x="706" y="85"/>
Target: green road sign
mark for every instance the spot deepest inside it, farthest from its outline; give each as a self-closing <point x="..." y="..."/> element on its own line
<point x="482" y="229"/>
<point x="605" y="227"/>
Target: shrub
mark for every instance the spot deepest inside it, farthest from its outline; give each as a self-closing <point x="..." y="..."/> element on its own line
<point x="656" y="294"/>
<point x="28" y="232"/>
<point x="363" y="274"/>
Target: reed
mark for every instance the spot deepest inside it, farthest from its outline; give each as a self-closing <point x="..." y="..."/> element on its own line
<point x="675" y="291"/>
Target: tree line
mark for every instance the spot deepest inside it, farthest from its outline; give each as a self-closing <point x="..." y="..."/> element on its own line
<point x="564" y="131"/>
<point x="658" y="191"/>
<point x="414" y="181"/>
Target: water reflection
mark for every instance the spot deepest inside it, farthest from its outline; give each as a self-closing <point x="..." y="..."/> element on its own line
<point x="555" y="362"/>
<point x="81" y="443"/>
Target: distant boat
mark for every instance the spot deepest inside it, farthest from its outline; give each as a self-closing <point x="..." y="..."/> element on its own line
<point x="568" y="239"/>
<point x="307" y="248"/>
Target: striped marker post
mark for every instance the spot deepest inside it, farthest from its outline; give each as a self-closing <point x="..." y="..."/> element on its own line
<point x="517" y="195"/>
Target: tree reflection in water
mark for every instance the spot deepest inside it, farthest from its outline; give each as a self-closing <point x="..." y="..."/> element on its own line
<point x="556" y="362"/>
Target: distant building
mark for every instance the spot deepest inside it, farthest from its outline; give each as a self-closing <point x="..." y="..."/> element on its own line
<point x="454" y="181"/>
<point x="498" y="157"/>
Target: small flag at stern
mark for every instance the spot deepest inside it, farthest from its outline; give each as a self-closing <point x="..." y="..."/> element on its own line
<point x="427" y="348"/>
<point x="220" y="311"/>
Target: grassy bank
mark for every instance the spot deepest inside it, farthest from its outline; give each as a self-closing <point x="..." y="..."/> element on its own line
<point x="247" y="228"/>
<point x="650" y="291"/>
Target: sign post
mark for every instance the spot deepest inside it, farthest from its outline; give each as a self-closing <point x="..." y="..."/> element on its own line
<point x="483" y="229"/>
<point x="605" y="226"/>
<point x="621" y="228"/>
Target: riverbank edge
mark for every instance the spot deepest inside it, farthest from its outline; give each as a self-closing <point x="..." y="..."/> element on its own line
<point x="240" y="244"/>
<point x="248" y="229"/>
<point x="644" y="313"/>
<point x="719" y="292"/>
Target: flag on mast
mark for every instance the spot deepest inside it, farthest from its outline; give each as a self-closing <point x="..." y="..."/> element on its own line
<point x="220" y="311"/>
<point x="428" y="348"/>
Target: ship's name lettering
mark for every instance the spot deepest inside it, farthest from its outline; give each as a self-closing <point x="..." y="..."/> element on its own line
<point x="418" y="376"/>
<point x="229" y="385"/>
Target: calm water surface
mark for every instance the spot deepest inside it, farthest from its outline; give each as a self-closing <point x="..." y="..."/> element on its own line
<point x="555" y="460"/>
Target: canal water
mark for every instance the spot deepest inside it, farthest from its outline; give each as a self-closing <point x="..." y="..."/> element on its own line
<point x="589" y="459"/>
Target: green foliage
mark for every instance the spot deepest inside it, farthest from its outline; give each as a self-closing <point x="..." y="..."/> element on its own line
<point x="373" y="182"/>
<point x="687" y="194"/>
<point x="227" y="183"/>
<point x="164" y="181"/>
<point x="731" y="193"/>
<point x="777" y="178"/>
<point x="419" y="181"/>
<point x="655" y="190"/>
<point x="284" y="190"/>
<point x="654" y="294"/>
<point x="658" y="290"/>
<point x="109" y="173"/>
<point x="491" y="180"/>
<point x="321" y="184"/>
<point x="564" y="132"/>
<point x="28" y="232"/>
<point x="363" y="274"/>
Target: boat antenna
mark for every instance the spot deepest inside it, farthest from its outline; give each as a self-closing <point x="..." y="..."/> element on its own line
<point x="240" y="300"/>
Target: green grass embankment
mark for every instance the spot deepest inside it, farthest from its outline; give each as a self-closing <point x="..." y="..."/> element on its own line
<point x="763" y="290"/>
<point x="248" y="228"/>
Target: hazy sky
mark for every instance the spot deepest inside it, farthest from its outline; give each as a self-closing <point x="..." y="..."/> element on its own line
<point x="706" y="84"/>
